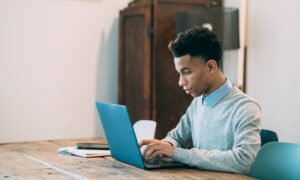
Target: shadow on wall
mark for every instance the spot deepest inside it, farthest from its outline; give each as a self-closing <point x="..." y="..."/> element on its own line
<point x="107" y="72"/>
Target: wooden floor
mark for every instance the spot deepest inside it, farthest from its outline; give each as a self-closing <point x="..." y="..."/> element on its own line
<point x="40" y="160"/>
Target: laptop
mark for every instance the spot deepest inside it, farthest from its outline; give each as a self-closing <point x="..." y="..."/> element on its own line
<point x="122" y="140"/>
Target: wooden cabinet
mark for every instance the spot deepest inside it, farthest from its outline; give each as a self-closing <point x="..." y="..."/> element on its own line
<point x="148" y="81"/>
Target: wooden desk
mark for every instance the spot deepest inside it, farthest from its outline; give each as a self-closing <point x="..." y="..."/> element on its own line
<point x="40" y="160"/>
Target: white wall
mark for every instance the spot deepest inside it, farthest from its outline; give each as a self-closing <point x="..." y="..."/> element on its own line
<point x="230" y="57"/>
<point x="57" y="57"/>
<point x="274" y="64"/>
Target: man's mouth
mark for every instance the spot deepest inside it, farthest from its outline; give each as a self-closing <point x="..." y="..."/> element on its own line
<point x="188" y="91"/>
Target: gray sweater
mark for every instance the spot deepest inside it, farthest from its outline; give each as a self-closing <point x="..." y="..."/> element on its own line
<point x="225" y="137"/>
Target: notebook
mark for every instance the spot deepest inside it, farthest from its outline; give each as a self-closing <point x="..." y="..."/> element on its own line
<point x="83" y="152"/>
<point x="122" y="140"/>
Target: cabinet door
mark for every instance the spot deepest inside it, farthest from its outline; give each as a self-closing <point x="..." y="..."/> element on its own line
<point x="170" y="101"/>
<point x="134" y="62"/>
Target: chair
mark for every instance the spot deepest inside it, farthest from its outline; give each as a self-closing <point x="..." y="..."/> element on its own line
<point x="144" y="129"/>
<point x="277" y="160"/>
<point x="268" y="136"/>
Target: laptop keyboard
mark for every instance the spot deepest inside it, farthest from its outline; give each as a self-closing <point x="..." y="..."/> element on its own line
<point x="159" y="161"/>
<point x="153" y="163"/>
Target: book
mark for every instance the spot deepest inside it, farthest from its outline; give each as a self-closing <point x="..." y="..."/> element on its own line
<point x="83" y="152"/>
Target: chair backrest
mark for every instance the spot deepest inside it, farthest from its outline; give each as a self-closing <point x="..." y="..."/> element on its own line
<point x="277" y="160"/>
<point x="144" y="129"/>
<point x="268" y="136"/>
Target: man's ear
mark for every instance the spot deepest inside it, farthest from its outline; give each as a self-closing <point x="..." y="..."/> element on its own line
<point x="212" y="65"/>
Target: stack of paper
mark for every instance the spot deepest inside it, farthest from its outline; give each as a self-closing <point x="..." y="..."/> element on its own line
<point x="83" y="152"/>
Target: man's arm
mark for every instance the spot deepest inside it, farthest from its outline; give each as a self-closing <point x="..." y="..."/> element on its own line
<point x="178" y="137"/>
<point x="181" y="135"/>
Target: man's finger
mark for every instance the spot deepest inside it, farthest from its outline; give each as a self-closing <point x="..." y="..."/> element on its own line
<point x="154" y="146"/>
<point x="155" y="150"/>
<point x="145" y="142"/>
<point x="148" y="147"/>
<point x="145" y="150"/>
<point x="156" y="153"/>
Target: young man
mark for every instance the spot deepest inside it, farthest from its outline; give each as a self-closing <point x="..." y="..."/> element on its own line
<point x="222" y="122"/>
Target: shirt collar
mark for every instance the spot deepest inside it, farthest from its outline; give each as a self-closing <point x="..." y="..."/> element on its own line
<point x="213" y="98"/>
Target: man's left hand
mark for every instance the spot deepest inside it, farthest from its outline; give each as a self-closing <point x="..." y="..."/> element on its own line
<point x="157" y="147"/>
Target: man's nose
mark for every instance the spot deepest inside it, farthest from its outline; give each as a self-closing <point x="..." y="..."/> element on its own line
<point x="182" y="81"/>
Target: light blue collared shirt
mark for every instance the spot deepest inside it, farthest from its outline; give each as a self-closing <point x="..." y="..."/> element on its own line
<point x="213" y="98"/>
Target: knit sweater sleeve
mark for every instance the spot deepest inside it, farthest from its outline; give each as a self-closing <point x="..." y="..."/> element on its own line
<point x="181" y="136"/>
<point x="239" y="159"/>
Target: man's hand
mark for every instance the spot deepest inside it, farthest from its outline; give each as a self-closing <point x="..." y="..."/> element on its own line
<point x="157" y="147"/>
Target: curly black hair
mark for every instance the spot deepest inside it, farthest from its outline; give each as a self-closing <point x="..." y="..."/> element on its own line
<point x="197" y="42"/>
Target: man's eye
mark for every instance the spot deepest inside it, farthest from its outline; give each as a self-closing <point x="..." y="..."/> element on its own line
<point x="186" y="72"/>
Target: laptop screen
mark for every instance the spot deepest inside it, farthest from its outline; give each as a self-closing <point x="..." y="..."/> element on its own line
<point x="119" y="133"/>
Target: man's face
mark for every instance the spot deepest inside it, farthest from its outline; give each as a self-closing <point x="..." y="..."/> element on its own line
<point x="194" y="75"/>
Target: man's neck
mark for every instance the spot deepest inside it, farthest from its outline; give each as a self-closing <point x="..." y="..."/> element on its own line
<point x="218" y="81"/>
